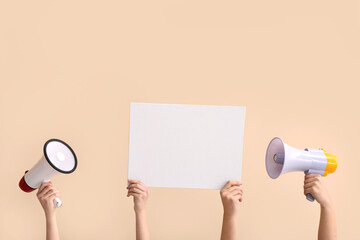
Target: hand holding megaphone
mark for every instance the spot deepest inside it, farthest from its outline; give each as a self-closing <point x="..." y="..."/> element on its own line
<point x="282" y="158"/>
<point x="47" y="195"/>
<point x="57" y="201"/>
<point x="314" y="184"/>
<point x="58" y="157"/>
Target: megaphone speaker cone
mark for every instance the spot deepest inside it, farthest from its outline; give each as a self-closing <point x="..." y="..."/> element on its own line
<point x="60" y="156"/>
<point x="275" y="156"/>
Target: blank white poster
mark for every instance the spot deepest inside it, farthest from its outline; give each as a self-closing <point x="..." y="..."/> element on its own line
<point x="185" y="146"/>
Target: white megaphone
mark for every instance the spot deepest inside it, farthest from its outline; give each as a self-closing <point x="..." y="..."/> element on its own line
<point x="282" y="158"/>
<point x="58" y="157"/>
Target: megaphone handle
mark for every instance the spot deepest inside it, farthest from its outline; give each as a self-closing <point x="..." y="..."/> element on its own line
<point x="57" y="202"/>
<point x="310" y="197"/>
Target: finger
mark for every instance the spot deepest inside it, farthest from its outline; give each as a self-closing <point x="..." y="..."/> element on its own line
<point x="133" y="194"/>
<point x="133" y="181"/>
<point x="43" y="185"/>
<point x="231" y="183"/>
<point x="317" y="178"/>
<point x="50" y="193"/>
<point x="53" y="196"/>
<point x="234" y="188"/>
<point x="138" y="190"/>
<point x="235" y="183"/>
<point x="136" y="185"/>
<point x="311" y="180"/>
<point x="308" y="176"/>
<point x="236" y="193"/>
<point x="48" y="190"/>
<point x="309" y="190"/>
<point x="227" y="185"/>
<point x="309" y="185"/>
<point x="237" y="197"/>
<point x="137" y="182"/>
<point x="135" y="190"/>
<point x="44" y="190"/>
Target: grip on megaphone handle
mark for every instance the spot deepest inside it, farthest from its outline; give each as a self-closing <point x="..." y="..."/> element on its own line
<point x="310" y="197"/>
<point x="57" y="201"/>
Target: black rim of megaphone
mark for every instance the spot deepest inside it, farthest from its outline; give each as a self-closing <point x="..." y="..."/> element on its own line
<point x="47" y="158"/>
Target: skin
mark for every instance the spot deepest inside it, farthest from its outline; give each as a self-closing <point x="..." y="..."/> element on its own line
<point x="315" y="185"/>
<point x="46" y="195"/>
<point x="140" y="193"/>
<point x="231" y="197"/>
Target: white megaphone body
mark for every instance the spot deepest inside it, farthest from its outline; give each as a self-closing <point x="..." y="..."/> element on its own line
<point x="58" y="157"/>
<point x="282" y="158"/>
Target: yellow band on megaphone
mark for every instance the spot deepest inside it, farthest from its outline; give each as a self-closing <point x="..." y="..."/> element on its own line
<point x="332" y="163"/>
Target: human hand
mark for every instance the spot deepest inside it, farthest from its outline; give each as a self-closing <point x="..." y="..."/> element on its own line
<point x="231" y="197"/>
<point x="315" y="185"/>
<point x="46" y="195"/>
<point x="140" y="192"/>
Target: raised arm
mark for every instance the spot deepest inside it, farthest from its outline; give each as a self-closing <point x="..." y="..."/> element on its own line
<point x="231" y="197"/>
<point x="140" y="192"/>
<point x="46" y="195"/>
<point x="315" y="185"/>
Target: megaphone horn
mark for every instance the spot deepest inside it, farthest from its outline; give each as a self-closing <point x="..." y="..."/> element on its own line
<point x="282" y="158"/>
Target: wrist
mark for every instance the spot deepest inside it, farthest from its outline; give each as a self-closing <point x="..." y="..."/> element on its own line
<point x="50" y="217"/>
<point x="140" y="212"/>
<point x="326" y="204"/>
<point x="228" y="215"/>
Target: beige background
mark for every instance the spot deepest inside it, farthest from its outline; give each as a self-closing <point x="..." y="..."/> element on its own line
<point x="69" y="69"/>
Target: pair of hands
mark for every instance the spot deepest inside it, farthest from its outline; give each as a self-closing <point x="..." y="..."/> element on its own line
<point x="231" y="196"/>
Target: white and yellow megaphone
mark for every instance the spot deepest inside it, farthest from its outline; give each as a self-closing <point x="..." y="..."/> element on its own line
<point x="282" y="158"/>
<point x="58" y="157"/>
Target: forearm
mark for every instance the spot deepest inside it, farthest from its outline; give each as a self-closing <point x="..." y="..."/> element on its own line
<point x="142" y="231"/>
<point x="52" y="232"/>
<point x="327" y="225"/>
<point x="228" y="231"/>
